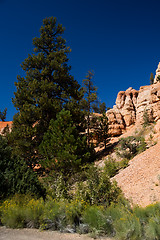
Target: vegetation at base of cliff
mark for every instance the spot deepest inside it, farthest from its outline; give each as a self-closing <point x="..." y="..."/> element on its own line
<point x="118" y="220"/>
<point x="112" y="166"/>
<point x="126" y="149"/>
<point x="130" y="146"/>
<point x="15" y="175"/>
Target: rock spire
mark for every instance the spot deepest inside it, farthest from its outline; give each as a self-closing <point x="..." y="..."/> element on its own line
<point x="157" y="74"/>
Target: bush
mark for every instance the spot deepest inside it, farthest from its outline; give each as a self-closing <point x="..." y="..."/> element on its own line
<point x="152" y="230"/>
<point x="119" y="219"/>
<point x="22" y="211"/>
<point x="97" y="189"/>
<point x="150" y="220"/>
<point x="130" y="146"/>
<point x="147" y="117"/>
<point x="34" y="213"/>
<point x="99" y="223"/>
<point x="74" y="211"/>
<point x="15" y="175"/>
<point x="125" y="224"/>
<point x="58" y="215"/>
<point x="56" y="186"/>
<point x="123" y="163"/>
<point x="54" y="215"/>
<point x="128" y="227"/>
<point x="111" y="167"/>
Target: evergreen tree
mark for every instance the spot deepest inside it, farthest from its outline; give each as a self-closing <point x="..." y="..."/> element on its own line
<point x="151" y="78"/>
<point x="63" y="148"/>
<point x="102" y="129"/>
<point x="3" y="115"/>
<point x="89" y="102"/>
<point x="46" y="88"/>
<point x="102" y="125"/>
<point x="102" y="108"/>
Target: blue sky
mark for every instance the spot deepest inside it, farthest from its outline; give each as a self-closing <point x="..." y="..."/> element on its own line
<point x="119" y="40"/>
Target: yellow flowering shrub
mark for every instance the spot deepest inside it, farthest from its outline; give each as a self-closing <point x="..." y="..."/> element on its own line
<point x="21" y="210"/>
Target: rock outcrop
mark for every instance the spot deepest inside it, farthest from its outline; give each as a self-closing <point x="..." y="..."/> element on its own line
<point x="131" y="105"/>
<point x="157" y="74"/>
<point x="3" y="125"/>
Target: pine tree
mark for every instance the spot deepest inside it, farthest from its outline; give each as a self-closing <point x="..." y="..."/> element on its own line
<point x="89" y="102"/>
<point x="3" y="115"/>
<point x="64" y="149"/>
<point x="102" y="130"/>
<point x="102" y="108"/>
<point x="44" y="90"/>
<point x="151" y="78"/>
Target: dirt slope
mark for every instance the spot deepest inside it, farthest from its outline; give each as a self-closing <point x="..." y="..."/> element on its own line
<point x="140" y="181"/>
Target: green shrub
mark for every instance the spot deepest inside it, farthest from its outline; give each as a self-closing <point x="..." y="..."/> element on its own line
<point x="118" y="219"/>
<point x="15" y="175"/>
<point x="128" y="227"/>
<point x="60" y="214"/>
<point x="97" y="189"/>
<point x="123" y="163"/>
<point x="34" y="213"/>
<point x="74" y="211"/>
<point x="125" y="224"/>
<point x="111" y="167"/>
<point x="130" y="146"/>
<point x="22" y="211"/>
<point x="14" y="217"/>
<point x="152" y="229"/>
<point x="56" y="186"/>
<point x="54" y="215"/>
<point x="98" y="222"/>
<point x="141" y="214"/>
<point x="146" y="118"/>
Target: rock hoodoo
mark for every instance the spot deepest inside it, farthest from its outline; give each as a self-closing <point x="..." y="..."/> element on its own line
<point x="157" y="74"/>
<point x="131" y="106"/>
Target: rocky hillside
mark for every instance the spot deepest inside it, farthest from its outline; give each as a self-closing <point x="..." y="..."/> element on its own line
<point x="140" y="181"/>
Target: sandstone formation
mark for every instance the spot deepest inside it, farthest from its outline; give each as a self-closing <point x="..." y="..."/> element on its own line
<point x="131" y="105"/>
<point x="3" y="125"/>
<point x="157" y="74"/>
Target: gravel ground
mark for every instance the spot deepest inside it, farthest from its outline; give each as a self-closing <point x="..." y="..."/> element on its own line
<point x="34" y="234"/>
